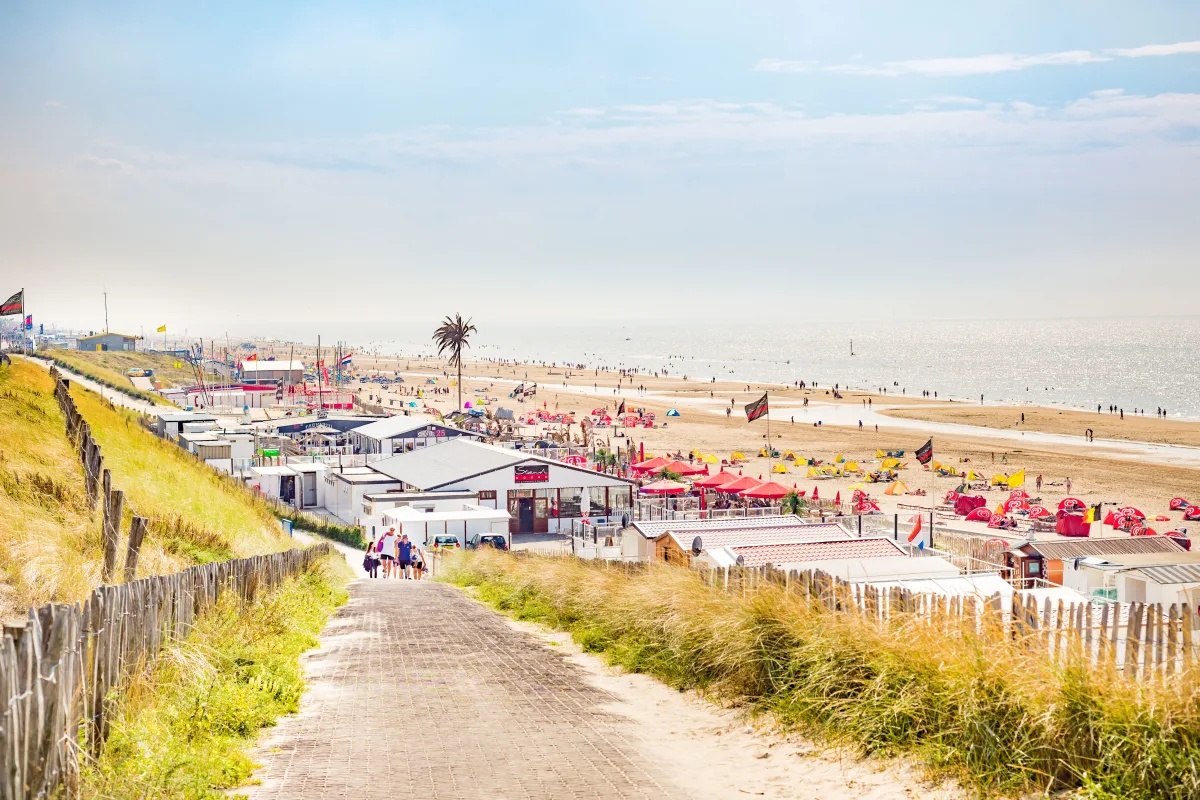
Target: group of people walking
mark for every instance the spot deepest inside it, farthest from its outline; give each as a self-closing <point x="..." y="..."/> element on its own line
<point x="395" y="556"/>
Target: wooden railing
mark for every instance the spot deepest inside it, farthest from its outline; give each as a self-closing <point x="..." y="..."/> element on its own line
<point x="58" y="665"/>
<point x="1146" y="641"/>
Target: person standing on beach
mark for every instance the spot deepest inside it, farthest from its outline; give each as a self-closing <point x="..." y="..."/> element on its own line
<point x="1068" y="485"/>
<point x="1039" y="482"/>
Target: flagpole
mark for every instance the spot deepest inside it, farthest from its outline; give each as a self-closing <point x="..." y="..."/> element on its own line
<point x="932" y="490"/>
<point x="770" y="446"/>
<point x="21" y="326"/>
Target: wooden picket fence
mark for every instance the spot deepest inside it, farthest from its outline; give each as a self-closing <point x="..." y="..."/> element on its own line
<point x="59" y="665"/>
<point x="98" y="485"/>
<point x="1145" y="641"/>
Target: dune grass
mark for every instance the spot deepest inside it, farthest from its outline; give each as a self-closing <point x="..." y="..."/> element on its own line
<point x="103" y="368"/>
<point x="49" y="543"/>
<point x="182" y="729"/>
<point x="980" y="709"/>
<point x="194" y="511"/>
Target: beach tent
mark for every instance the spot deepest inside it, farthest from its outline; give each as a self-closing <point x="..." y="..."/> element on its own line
<point x="779" y="468"/>
<point x="999" y="480"/>
<point x="1068" y="503"/>
<point x="965" y="504"/>
<point x="737" y="456"/>
<point x="974" y="476"/>
<point x="599" y="412"/>
<point x="1019" y="493"/>
<point x="709" y="458"/>
<point x="851" y="466"/>
<point x="981" y="514"/>
<point x="788" y="455"/>
<point x="664" y="487"/>
<point x="1191" y="513"/>
<point x="879" y="454"/>
<point x="672" y="413"/>
<point x="839" y="458"/>
<point x="1131" y="511"/>
<point x="892" y="463"/>
<point x="1039" y="512"/>
<point x="1178" y="503"/>
<point x="897" y="488"/>
<point x="996" y="521"/>
<point x="1016" y="504"/>
<point x="1017" y="478"/>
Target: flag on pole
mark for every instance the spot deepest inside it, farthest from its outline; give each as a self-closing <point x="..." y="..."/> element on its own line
<point x="756" y="409"/>
<point x="162" y="328"/>
<point x="29" y="322"/>
<point x="1091" y="514"/>
<point x="13" y="305"/>
<point x="621" y="408"/>
<point x="251" y="357"/>
<point x="925" y="452"/>
<point x="1016" y="479"/>
<point x="916" y="531"/>
<point x="347" y="359"/>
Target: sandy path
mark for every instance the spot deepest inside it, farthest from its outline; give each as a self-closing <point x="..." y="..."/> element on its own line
<point x="715" y="754"/>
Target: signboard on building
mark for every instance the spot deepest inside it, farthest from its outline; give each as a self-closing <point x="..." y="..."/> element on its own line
<point x="531" y="473"/>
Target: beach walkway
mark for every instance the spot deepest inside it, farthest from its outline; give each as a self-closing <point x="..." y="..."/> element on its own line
<point x="417" y="691"/>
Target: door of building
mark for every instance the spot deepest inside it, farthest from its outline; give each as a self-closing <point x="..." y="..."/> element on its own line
<point x="525" y="515"/>
<point x="541" y="515"/>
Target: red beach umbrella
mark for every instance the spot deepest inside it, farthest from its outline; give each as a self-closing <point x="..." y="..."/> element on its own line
<point x="1038" y="512"/>
<point x="716" y="481"/>
<point x="682" y="468"/>
<point x="653" y="465"/>
<point x="981" y="514"/>
<point x="740" y="485"/>
<point x="767" y="491"/>
<point x="664" y="487"/>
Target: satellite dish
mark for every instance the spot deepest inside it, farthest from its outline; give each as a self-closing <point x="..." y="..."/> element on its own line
<point x="741" y="561"/>
<point x="697" y="546"/>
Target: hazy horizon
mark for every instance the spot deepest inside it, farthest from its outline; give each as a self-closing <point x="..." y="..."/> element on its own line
<point x="240" y="168"/>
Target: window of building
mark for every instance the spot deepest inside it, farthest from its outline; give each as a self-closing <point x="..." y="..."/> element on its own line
<point x="568" y="501"/>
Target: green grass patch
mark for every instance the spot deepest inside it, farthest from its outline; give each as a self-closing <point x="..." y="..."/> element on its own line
<point x="192" y="507"/>
<point x="346" y="534"/>
<point x="183" y="729"/>
<point x="94" y="366"/>
<point x="978" y="708"/>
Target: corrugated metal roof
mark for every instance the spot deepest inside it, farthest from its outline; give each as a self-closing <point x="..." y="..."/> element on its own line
<point x="461" y="458"/>
<point x="1102" y="547"/>
<point x="653" y="530"/>
<point x="1172" y="573"/>
<point x="395" y="426"/>
<point x="739" y="537"/>
<point x="790" y="553"/>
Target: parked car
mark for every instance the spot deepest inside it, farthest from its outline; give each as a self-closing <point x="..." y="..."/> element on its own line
<point x="445" y="540"/>
<point x="495" y="540"/>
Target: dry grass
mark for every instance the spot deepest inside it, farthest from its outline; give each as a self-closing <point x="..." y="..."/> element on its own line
<point x="50" y="548"/>
<point x="114" y="365"/>
<point x="981" y="709"/>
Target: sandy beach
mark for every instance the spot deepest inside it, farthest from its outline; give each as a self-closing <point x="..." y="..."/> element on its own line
<point x="1139" y="461"/>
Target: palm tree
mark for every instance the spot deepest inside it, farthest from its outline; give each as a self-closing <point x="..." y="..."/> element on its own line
<point x="453" y="335"/>
<point x="793" y="503"/>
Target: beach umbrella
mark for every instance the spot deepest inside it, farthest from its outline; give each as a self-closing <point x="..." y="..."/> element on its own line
<point x="951" y="496"/>
<point x="816" y="493"/>
<point x="683" y="468"/>
<point x="767" y="491"/>
<point x="981" y="514"/>
<point x="599" y="412"/>
<point x="837" y="501"/>
<point x="664" y="487"/>
<point x="740" y="485"/>
<point x="1131" y="511"/>
<point x="1069" y="503"/>
<point x="716" y="481"/>
<point x="654" y="464"/>
<point x="1021" y="493"/>
<point x="1016" y="504"/>
<point x="1178" y="503"/>
<point x="865" y="506"/>
<point x="1039" y="512"/>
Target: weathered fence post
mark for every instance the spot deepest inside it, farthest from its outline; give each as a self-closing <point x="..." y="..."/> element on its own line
<point x="114" y="506"/>
<point x="137" y="532"/>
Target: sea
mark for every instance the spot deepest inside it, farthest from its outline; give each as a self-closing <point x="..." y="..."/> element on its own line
<point x="1131" y="363"/>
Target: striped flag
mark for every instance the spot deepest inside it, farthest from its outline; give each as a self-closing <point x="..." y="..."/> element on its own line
<point x="756" y="409"/>
<point x="13" y="305"/>
<point x="925" y="452"/>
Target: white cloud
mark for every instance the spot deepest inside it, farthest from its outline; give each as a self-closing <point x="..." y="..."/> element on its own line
<point x="1157" y="50"/>
<point x="991" y="64"/>
<point x="53" y="104"/>
<point x="954" y="100"/>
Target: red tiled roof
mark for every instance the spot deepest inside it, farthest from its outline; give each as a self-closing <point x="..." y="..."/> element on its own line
<point x="793" y="552"/>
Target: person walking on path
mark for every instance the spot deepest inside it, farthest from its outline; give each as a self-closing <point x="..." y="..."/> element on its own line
<point x="418" y="562"/>
<point x="387" y="551"/>
<point x="371" y="561"/>
<point x="404" y="556"/>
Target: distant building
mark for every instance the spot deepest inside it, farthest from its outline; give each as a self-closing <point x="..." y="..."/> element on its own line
<point x="290" y="373"/>
<point x="107" y="341"/>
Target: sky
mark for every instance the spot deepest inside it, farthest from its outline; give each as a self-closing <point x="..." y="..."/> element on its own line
<point x="245" y="166"/>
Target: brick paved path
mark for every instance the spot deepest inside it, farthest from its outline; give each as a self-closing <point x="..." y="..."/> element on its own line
<point x="419" y="692"/>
